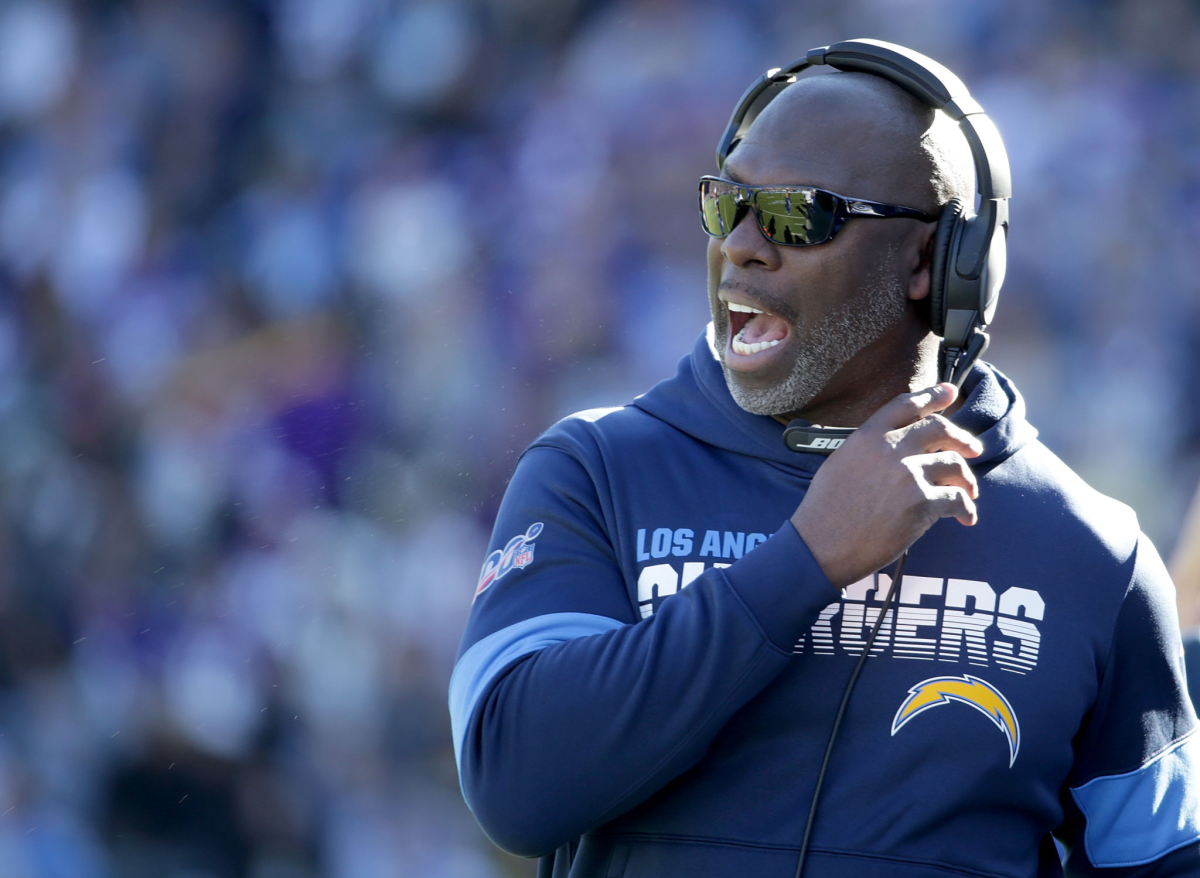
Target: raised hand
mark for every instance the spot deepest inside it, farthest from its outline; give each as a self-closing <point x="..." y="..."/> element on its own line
<point x="887" y="484"/>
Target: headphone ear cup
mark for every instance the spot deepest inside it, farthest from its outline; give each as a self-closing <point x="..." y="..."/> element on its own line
<point x="940" y="264"/>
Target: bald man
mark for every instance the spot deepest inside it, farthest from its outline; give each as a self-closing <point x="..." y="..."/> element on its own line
<point x="674" y="600"/>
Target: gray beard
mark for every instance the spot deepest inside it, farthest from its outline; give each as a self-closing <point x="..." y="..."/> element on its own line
<point x="830" y="344"/>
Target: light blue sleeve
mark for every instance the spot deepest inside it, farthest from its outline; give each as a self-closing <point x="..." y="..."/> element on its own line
<point x="1136" y="817"/>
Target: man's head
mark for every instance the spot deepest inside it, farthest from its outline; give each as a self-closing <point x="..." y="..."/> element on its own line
<point x="841" y="311"/>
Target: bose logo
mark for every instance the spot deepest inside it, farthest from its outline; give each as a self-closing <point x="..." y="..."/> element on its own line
<point x="823" y="442"/>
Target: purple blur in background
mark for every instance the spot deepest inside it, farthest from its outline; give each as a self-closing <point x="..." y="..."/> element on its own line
<point x="286" y="286"/>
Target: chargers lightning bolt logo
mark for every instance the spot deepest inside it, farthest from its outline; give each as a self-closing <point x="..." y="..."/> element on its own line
<point x="979" y="694"/>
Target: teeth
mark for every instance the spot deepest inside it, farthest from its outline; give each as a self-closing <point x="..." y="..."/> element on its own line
<point x="745" y="309"/>
<point x="745" y="350"/>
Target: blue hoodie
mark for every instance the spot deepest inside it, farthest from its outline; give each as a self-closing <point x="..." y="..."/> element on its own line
<point x="654" y="659"/>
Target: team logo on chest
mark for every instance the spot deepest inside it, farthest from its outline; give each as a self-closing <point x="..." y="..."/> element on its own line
<point x="972" y="691"/>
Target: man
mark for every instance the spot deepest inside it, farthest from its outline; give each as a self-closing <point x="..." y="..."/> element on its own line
<point x="674" y="599"/>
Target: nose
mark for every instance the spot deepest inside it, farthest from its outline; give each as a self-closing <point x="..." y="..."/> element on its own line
<point x="746" y="246"/>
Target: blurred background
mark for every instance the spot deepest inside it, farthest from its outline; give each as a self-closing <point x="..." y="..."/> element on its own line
<point x="287" y="285"/>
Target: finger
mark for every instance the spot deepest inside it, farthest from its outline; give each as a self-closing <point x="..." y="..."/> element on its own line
<point x="935" y="433"/>
<point x="907" y="408"/>
<point x="952" y="502"/>
<point x="947" y="469"/>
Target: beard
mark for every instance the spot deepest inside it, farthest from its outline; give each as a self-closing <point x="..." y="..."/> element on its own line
<point x="825" y="346"/>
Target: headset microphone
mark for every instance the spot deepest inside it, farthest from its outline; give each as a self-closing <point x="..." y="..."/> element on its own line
<point x="802" y="435"/>
<point x="967" y="267"/>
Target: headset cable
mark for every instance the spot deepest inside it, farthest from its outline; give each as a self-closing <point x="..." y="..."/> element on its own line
<point x="837" y="722"/>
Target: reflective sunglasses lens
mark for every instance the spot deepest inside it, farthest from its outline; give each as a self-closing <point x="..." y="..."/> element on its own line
<point x="718" y="207"/>
<point x="796" y="217"/>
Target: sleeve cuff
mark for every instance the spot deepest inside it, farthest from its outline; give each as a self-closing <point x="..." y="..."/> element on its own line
<point x="783" y="586"/>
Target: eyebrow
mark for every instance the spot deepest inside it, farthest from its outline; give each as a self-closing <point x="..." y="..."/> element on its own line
<point x="725" y="174"/>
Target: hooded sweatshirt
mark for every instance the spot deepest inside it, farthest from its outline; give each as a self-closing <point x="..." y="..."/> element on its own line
<point x="654" y="659"/>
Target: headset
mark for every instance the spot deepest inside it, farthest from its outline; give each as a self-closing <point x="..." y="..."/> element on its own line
<point x="969" y="246"/>
<point x="967" y="268"/>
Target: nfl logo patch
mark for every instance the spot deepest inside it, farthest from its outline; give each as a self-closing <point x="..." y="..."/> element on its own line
<point x="517" y="554"/>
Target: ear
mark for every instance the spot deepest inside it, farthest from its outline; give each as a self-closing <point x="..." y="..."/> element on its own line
<point x="920" y="261"/>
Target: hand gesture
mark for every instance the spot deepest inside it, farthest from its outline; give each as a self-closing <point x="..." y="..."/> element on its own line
<point x="890" y="480"/>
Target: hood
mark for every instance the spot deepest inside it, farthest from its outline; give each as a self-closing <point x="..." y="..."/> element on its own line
<point x="697" y="401"/>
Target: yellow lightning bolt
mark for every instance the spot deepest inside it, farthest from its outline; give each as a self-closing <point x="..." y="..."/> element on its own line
<point x="979" y="694"/>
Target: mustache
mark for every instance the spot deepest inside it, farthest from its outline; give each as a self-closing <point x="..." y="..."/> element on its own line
<point x="771" y="303"/>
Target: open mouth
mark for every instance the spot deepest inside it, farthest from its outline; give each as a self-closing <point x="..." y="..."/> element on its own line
<point x="752" y="330"/>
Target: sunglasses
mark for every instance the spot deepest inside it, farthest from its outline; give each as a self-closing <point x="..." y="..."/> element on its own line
<point x="794" y="216"/>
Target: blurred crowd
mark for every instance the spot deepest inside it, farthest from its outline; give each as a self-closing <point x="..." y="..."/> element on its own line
<point x="286" y="286"/>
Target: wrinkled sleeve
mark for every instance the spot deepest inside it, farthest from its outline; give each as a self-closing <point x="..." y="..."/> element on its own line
<point x="1132" y="803"/>
<point x="568" y="709"/>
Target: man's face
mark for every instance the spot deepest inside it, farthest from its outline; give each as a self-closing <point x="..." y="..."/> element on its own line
<point x="821" y="304"/>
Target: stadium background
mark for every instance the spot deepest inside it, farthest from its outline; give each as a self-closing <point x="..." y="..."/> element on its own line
<point x="285" y="286"/>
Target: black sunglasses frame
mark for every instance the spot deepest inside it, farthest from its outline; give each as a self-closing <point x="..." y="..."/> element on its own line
<point x="845" y="208"/>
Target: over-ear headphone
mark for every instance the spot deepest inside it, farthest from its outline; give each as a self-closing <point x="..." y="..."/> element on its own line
<point x="969" y="247"/>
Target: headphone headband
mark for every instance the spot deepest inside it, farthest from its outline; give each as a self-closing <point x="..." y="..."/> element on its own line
<point x="920" y="76"/>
